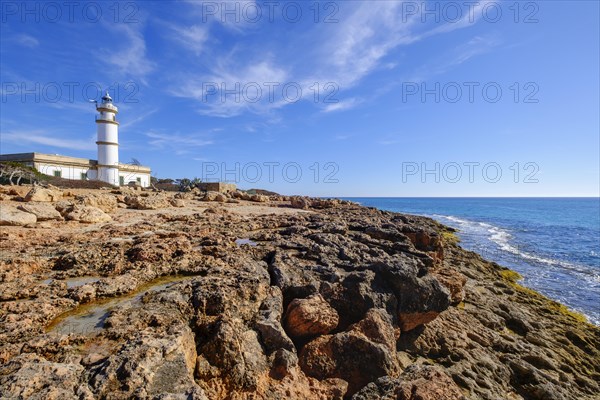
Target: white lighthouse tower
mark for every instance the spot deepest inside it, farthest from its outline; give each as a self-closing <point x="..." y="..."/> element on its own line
<point x="108" y="141"/>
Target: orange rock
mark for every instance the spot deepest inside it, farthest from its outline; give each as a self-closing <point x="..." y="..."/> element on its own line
<point x="309" y="317"/>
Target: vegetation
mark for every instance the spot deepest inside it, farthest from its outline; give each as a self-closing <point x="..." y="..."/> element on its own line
<point x="513" y="277"/>
<point x="176" y="185"/>
<point x="186" y="185"/>
<point x="450" y="237"/>
<point x="17" y="173"/>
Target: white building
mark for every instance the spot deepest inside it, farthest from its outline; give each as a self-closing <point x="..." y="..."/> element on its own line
<point x="107" y="168"/>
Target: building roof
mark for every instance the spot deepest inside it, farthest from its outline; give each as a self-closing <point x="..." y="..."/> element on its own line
<point x="67" y="161"/>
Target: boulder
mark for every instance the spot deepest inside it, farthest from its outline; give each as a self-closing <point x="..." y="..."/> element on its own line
<point x="152" y="365"/>
<point x="176" y="202"/>
<point x="259" y="198"/>
<point x="325" y="203"/>
<point x="417" y="382"/>
<point x="310" y="317"/>
<point x="214" y="196"/>
<point x="64" y="207"/>
<point x="236" y="351"/>
<point x="420" y="299"/>
<point x="184" y="195"/>
<point x="31" y="376"/>
<point x="43" y="212"/>
<point x="147" y="202"/>
<point x="43" y="194"/>
<point x="14" y="217"/>
<point x="88" y="215"/>
<point x="300" y="202"/>
<point x="454" y="281"/>
<point x="105" y="202"/>
<point x="365" y="352"/>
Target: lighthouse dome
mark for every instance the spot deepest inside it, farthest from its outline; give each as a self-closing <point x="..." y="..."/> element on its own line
<point x="106" y="98"/>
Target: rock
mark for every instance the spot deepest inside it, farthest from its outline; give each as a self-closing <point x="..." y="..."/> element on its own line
<point x="325" y="203"/>
<point x="220" y="197"/>
<point x="31" y="376"/>
<point x="87" y="215"/>
<point x="184" y="195"/>
<point x="84" y="293"/>
<point x="417" y="382"/>
<point x="43" y="212"/>
<point x="92" y="358"/>
<point x="360" y="355"/>
<point x="214" y="196"/>
<point x="105" y="202"/>
<point x="259" y="198"/>
<point x="236" y="351"/>
<point x="64" y="207"/>
<point x="13" y="217"/>
<point x="154" y="202"/>
<point x="268" y="323"/>
<point x="155" y="363"/>
<point x="309" y="317"/>
<point x="300" y="202"/>
<point x="284" y="361"/>
<point x="176" y="202"/>
<point x="42" y="194"/>
<point x="420" y="299"/>
<point x="193" y="316"/>
<point x="454" y="281"/>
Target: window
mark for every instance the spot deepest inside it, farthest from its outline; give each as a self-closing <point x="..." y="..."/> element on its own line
<point x="58" y="173"/>
<point x="84" y="176"/>
<point x="121" y="180"/>
<point x="139" y="180"/>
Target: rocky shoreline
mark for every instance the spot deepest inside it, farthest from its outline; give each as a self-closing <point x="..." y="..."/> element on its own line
<point x="140" y="294"/>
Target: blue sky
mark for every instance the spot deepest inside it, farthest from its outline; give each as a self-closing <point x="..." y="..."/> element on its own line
<point x="357" y="98"/>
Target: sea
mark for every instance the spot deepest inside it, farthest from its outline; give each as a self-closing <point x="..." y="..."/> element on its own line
<point x="554" y="243"/>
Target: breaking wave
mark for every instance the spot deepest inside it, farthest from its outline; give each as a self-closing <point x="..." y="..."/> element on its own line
<point x="499" y="245"/>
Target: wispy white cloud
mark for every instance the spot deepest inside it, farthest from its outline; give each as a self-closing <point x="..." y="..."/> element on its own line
<point x="47" y="139"/>
<point x="229" y="90"/>
<point x="368" y="33"/>
<point x="342" y="137"/>
<point x="177" y="143"/>
<point x="235" y="15"/>
<point x="462" y="53"/>
<point x="140" y="118"/>
<point x="191" y="37"/>
<point x="131" y="59"/>
<point x="27" y="40"/>
<point x="388" y="141"/>
<point x="373" y="29"/>
<point x="343" y="53"/>
<point x="342" y="105"/>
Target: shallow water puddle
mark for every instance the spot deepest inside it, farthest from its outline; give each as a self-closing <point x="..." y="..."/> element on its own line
<point x="241" y="242"/>
<point x="89" y="318"/>
<point x="74" y="282"/>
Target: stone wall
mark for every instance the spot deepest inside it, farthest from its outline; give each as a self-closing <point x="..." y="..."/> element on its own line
<point x="218" y="187"/>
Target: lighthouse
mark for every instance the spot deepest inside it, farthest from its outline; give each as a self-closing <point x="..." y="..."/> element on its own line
<point x="107" y="141"/>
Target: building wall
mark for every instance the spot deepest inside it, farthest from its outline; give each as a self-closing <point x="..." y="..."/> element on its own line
<point x="109" y="175"/>
<point x="144" y="179"/>
<point x="218" y="187"/>
<point x="66" y="172"/>
<point x="80" y="168"/>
